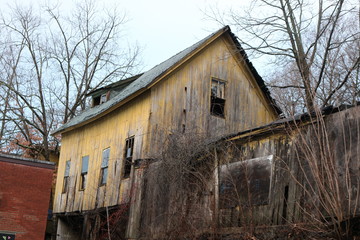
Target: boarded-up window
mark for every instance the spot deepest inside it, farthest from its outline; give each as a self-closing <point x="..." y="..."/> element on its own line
<point x="217" y="102"/>
<point x="66" y="177"/>
<point x="128" y="156"/>
<point x="84" y="172"/>
<point x="245" y="182"/>
<point x="104" y="166"/>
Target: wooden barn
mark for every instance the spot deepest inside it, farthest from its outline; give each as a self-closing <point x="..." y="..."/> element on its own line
<point x="194" y="148"/>
<point x="201" y="94"/>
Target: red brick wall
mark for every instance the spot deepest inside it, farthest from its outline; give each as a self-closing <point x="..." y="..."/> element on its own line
<point x="24" y="200"/>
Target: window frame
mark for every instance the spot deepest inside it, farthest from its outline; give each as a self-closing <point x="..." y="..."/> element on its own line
<point x="128" y="156"/>
<point x="100" y="98"/>
<point x="103" y="98"/>
<point x="104" y="166"/>
<point x="66" y="179"/>
<point x="218" y="99"/>
<point x="84" y="173"/>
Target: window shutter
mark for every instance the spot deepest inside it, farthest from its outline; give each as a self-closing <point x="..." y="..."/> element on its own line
<point x="67" y="169"/>
<point x="85" y="164"/>
<point x="106" y="156"/>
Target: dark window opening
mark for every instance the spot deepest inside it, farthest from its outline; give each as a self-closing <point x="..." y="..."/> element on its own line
<point x="66" y="177"/>
<point x="101" y="99"/>
<point x="84" y="172"/>
<point x="217" y="106"/>
<point x="104" y="166"/>
<point x="83" y="181"/>
<point x="65" y="184"/>
<point x="286" y="196"/>
<point x="128" y="156"/>
<point x="96" y="101"/>
<point x="217" y="100"/>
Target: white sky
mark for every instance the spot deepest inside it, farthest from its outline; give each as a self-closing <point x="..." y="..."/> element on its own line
<point x="161" y="27"/>
<point x="165" y="27"/>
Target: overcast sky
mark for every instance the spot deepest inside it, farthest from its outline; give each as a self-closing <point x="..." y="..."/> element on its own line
<point x="161" y="27"/>
<point x="166" y="27"/>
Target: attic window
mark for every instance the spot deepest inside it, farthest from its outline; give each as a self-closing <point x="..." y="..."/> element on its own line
<point x="101" y="99"/>
<point x="128" y="155"/>
<point x="217" y="100"/>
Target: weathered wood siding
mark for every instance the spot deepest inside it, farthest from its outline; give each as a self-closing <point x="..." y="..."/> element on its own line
<point x="177" y="103"/>
<point x="331" y="145"/>
<point x="263" y="214"/>
<point x="181" y="102"/>
<point x="108" y="132"/>
<point x="290" y="198"/>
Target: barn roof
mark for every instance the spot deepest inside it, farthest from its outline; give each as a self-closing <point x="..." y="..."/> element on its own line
<point x="146" y="80"/>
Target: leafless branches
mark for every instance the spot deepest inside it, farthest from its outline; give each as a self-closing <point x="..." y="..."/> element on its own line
<point x="175" y="186"/>
<point x="327" y="154"/>
<point x="50" y="62"/>
<point x="317" y="39"/>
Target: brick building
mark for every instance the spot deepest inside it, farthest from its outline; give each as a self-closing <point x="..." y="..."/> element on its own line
<point x="25" y="186"/>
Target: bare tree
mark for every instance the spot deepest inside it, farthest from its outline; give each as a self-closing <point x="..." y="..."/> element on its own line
<point x="9" y="60"/>
<point x="315" y="38"/>
<point x="86" y="53"/>
<point x="52" y="63"/>
<point x="30" y="112"/>
<point x="327" y="156"/>
<point x="176" y="184"/>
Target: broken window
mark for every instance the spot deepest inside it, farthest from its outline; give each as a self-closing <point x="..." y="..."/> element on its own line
<point x="66" y="177"/>
<point x="84" y="172"/>
<point x="101" y="99"/>
<point x="217" y="102"/>
<point x="245" y="182"/>
<point x="128" y="155"/>
<point x="104" y="166"/>
<point x="96" y="101"/>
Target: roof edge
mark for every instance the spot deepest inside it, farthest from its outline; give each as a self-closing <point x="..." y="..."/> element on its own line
<point x="26" y="161"/>
<point x="208" y="40"/>
<point x="279" y="125"/>
<point x="259" y="80"/>
<point x="164" y="69"/>
<point x="115" y="84"/>
<point x="202" y="44"/>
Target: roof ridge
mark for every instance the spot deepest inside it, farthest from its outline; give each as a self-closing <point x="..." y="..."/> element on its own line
<point x="155" y="73"/>
<point x="140" y="83"/>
